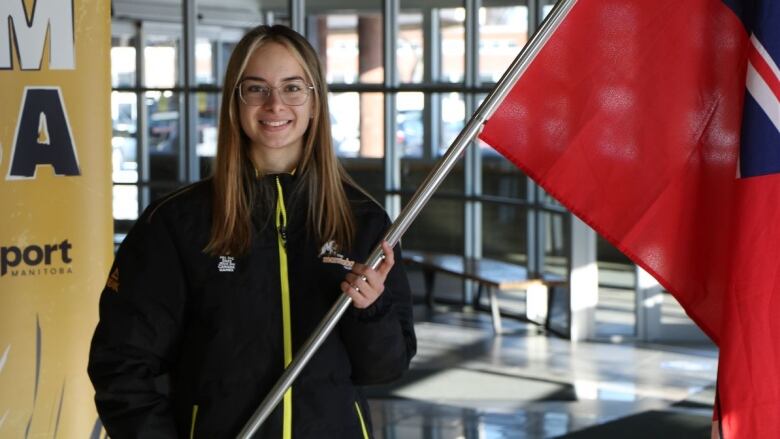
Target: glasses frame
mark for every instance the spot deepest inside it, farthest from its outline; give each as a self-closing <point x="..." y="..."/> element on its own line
<point x="309" y="89"/>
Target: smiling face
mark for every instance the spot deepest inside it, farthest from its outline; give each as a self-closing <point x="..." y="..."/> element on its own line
<point x="275" y="129"/>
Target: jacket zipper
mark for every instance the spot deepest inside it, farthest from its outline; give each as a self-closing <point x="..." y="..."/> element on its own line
<point x="362" y="422"/>
<point x="194" y="419"/>
<point x="281" y="227"/>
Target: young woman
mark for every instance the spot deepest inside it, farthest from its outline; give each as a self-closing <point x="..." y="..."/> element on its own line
<point x="219" y="284"/>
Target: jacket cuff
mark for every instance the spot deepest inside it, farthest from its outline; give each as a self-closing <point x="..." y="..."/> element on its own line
<point x="375" y="311"/>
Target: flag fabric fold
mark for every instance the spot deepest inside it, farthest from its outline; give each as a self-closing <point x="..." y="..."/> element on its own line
<point x="656" y="122"/>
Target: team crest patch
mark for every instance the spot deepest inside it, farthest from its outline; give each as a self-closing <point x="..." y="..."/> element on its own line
<point x="226" y="264"/>
<point x="329" y="253"/>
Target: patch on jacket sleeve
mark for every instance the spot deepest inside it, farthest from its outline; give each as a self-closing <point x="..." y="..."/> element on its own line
<point x="113" y="280"/>
<point x="329" y="253"/>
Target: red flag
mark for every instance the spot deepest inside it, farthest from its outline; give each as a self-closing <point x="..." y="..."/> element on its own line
<point x="630" y="115"/>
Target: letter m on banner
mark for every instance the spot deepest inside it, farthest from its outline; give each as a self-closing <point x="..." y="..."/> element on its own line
<point x="29" y="31"/>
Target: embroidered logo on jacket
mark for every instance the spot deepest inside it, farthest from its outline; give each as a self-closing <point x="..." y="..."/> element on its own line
<point x="330" y="255"/>
<point x="226" y="264"/>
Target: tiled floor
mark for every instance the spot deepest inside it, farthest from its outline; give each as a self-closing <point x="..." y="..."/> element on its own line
<point x="466" y="383"/>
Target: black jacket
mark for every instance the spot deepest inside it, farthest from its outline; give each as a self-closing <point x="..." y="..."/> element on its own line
<point x="189" y="344"/>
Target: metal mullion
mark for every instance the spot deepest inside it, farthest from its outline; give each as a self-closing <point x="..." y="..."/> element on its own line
<point x="431" y="63"/>
<point x="188" y="156"/>
<point x="219" y="52"/>
<point x="142" y="117"/>
<point x="542" y="215"/>
<point x="298" y="16"/>
<point x="392" y="159"/>
<point x="472" y="184"/>
<point x="532" y="227"/>
<point x="534" y="15"/>
<point x="471" y="70"/>
<point x="537" y="215"/>
<point x="536" y="238"/>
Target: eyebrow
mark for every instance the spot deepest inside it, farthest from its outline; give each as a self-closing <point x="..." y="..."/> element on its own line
<point x="289" y="78"/>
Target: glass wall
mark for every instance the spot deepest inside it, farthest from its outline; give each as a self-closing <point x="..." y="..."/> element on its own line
<point x="149" y="156"/>
<point x="404" y="76"/>
<point x="350" y="41"/>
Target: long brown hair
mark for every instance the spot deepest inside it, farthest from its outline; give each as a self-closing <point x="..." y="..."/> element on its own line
<point x="319" y="172"/>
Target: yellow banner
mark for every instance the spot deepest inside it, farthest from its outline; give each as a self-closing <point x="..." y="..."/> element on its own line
<point x="55" y="219"/>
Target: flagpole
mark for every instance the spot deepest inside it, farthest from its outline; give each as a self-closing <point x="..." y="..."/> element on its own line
<point x="413" y="208"/>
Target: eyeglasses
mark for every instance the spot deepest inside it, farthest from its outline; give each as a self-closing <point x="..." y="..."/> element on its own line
<point x="256" y="93"/>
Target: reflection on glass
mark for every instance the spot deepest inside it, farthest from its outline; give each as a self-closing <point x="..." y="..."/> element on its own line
<point x="500" y="177"/>
<point x="125" y="202"/>
<point x="414" y="172"/>
<point x="369" y="39"/>
<point x="122" y="61"/>
<point x="453" y="47"/>
<point x="502" y="33"/>
<point x="204" y="61"/>
<point x="438" y="228"/>
<point x="410" y="131"/>
<point x="163" y="134"/>
<point x="372" y="127"/>
<point x="161" y="57"/>
<point x="409" y="47"/>
<point x="504" y="232"/>
<point x="453" y="113"/>
<point x="208" y="114"/>
<point x="554" y="237"/>
<point x="124" y="160"/>
<point x="340" y="47"/>
<point x="208" y="119"/>
<point x="227" y="50"/>
<point x="345" y="123"/>
<point x="350" y="45"/>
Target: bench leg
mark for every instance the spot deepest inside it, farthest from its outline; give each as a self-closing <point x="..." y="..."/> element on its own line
<point x="494" y="311"/>
<point x="428" y="277"/>
<point x="537" y="303"/>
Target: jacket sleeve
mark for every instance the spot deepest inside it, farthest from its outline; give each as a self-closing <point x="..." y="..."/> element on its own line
<point x="380" y="339"/>
<point x="133" y="346"/>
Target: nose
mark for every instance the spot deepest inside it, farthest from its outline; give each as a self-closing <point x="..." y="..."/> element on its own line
<point x="274" y="99"/>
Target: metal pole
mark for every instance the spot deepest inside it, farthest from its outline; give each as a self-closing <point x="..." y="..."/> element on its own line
<point x="410" y="212"/>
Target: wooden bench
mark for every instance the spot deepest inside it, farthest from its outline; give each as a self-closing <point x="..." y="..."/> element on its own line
<point x="490" y="275"/>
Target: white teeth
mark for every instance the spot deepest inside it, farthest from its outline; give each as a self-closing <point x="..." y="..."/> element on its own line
<point x="275" y="123"/>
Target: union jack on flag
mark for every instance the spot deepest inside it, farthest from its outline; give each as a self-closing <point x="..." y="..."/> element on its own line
<point x="760" y="143"/>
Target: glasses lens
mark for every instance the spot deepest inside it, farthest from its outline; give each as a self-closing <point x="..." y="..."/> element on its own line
<point x="294" y="92"/>
<point x="258" y="93"/>
<point x="253" y="92"/>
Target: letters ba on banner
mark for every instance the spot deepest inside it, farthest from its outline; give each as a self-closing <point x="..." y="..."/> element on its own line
<point x="55" y="220"/>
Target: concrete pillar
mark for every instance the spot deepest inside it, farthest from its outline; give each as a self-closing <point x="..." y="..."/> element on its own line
<point x="371" y="71"/>
<point x="584" y="281"/>
<point x="649" y="297"/>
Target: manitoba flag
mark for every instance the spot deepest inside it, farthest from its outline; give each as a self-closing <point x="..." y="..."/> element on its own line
<point x="658" y="123"/>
